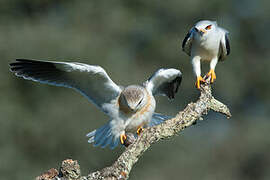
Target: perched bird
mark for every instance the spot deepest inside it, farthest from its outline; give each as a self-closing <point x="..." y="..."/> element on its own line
<point x="207" y="42"/>
<point x="130" y="108"/>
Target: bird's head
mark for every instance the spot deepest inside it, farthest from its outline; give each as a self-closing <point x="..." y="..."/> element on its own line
<point x="205" y="27"/>
<point x="132" y="99"/>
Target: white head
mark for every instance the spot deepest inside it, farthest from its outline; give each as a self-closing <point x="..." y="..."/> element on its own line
<point x="205" y="27"/>
<point x="132" y="99"/>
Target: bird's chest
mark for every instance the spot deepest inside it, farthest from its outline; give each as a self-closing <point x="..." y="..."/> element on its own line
<point x="207" y="48"/>
<point x="142" y="117"/>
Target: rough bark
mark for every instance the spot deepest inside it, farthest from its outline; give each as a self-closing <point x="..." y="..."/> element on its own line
<point x="121" y="168"/>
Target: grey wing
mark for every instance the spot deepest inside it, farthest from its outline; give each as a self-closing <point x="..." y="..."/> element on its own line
<point x="164" y="82"/>
<point x="91" y="81"/>
<point x="224" y="49"/>
<point x="187" y="42"/>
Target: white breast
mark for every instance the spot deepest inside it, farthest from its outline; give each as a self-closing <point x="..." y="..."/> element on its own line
<point x="207" y="46"/>
<point x="143" y="116"/>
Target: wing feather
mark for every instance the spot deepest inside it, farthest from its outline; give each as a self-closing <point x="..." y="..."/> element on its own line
<point x="187" y="42"/>
<point x="164" y="82"/>
<point x="90" y="80"/>
<point x="225" y="48"/>
<point x="227" y="43"/>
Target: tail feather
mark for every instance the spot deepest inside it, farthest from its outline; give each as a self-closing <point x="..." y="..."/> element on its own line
<point x="114" y="143"/>
<point x="106" y="142"/>
<point x="92" y="133"/>
<point x="91" y="139"/>
<point x="103" y="137"/>
<point x="99" y="132"/>
<point x="158" y="119"/>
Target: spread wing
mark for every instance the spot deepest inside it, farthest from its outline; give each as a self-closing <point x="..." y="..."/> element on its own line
<point x="224" y="48"/>
<point x="91" y="81"/>
<point x="164" y="82"/>
<point x="187" y="42"/>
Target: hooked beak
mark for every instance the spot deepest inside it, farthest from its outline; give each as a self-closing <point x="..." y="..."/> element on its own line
<point x="200" y="31"/>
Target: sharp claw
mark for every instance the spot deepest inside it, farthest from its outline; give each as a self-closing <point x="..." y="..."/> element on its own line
<point x="123" y="137"/>
<point x="139" y="130"/>
<point x="212" y="74"/>
<point x="198" y="82"/>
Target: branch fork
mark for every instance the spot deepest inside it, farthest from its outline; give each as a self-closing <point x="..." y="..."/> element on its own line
<point x="120" y="169"/>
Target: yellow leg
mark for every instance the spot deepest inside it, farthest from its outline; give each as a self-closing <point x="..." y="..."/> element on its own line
<point x="212" y="74"/>
<point x="198" y="82"/>
<point x="123" y="137"/>
<point x="139" y="130"/>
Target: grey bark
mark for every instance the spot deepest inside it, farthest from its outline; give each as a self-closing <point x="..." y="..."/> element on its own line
<point x="121" y="168"/>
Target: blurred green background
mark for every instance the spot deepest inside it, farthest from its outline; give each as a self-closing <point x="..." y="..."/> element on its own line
<point x="42" y="125"/>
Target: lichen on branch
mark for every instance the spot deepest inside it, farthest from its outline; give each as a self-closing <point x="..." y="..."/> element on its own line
<point x="121" y="168"/>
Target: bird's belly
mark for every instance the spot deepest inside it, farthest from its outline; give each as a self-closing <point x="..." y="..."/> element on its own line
<point x="207" y="50"/>
<point x="141" y="118"/>
<point x="206" y="54"/>
<point x="135" y="123"/>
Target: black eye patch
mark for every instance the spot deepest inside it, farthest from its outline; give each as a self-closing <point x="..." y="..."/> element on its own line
<point x="140" y="102"/>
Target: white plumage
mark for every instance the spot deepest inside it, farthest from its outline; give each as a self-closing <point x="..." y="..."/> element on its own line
<point x="129" y="109"/>
<point x="207" y="42"/>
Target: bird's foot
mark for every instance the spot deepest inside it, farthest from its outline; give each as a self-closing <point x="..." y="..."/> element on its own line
<point x="198" y="82"/>
<point x="212" y="74"/>
<point x="130" y="139"/>
<point x="123" y="138"/>
<point x="139" y="130"/>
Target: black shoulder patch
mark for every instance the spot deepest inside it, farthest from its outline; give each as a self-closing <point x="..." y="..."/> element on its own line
<point x="170" y="88"/>
<point x="228" y="48"/>
<point x="185" y="40"/>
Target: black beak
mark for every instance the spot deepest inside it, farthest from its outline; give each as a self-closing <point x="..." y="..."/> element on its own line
<point x="198" y="31"/>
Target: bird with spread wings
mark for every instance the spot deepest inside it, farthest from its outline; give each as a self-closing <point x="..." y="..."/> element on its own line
<point x="130" y="109"/>
<point x="206" y="41"/>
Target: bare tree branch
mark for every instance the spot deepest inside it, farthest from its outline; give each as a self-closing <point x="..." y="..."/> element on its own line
<point x="121" y="168"/>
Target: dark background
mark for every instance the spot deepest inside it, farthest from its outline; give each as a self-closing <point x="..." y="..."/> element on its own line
<point x="42" y="125"/>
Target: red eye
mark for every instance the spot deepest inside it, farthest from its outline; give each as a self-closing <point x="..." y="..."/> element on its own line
<point x="208" y="27"/>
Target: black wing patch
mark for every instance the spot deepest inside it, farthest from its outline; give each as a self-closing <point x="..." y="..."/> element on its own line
<point x="171" y="88"/>
<point x="187" y="43"/>
<point x="23" y="65"/>
<point x="228" y="47"/>
<point x="45" y="72"/>
<point x="185" y="40"/>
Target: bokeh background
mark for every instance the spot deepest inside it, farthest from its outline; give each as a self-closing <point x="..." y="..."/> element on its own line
<point x="42" y="125"/>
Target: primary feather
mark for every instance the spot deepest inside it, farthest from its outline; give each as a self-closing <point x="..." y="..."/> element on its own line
<point x="91" y="81"/>
<point x="128" y="108"/>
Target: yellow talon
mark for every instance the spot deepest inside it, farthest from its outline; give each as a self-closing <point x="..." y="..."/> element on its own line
<point x="198" y="82"/>
<point x="139" y="130"/>
<point x="123" y="137"/>
<point x="212" y="74"/>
